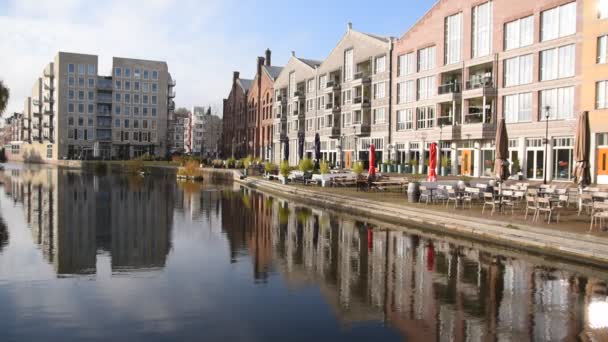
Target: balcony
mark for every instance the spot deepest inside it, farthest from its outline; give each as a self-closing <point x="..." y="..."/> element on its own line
<point x="360" y="102"/>
<point x="48" y="73"/>
<point x="361" y="78"/>
<point x="445" y="121"/>
<point x="104" y="83"/>
<point x="476" y="117"/>
<point x="49" y="86"/>
<point x="332" y="86"/>
<point x="171" y="94"/>
<point x="171" y="83"/>
<point x="282" y="99"/>
<point x="362" y="129"/>
<point x="330" y="107"/>
<point x="104" y="98"/>
<point x="449" y="88"/>
<point x="478" y="87"/>
<point x="48" y="112"/>
<point x="49" y="99"/>
<point x="171" y="105"/>
<point x="332" y="132"/>
<point x="35" y="102"/>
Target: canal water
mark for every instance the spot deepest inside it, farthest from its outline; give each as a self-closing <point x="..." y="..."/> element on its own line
<point x="119" y="258"/>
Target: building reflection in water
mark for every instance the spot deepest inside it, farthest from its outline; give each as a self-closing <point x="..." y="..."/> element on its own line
<point x="73" y="216"/>
<point x="427" y="289"/>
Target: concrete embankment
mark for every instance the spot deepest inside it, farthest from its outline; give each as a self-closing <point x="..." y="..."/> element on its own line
<point x="572" y="246"/>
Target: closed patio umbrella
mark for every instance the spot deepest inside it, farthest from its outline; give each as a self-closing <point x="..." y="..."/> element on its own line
<point x="582" y="176"/>
<point x="501" y="166"/>
<point x="433" y="163"/>
<point x="317" y="150"/>
<point x="286" y="150"/>
<point x="300" y="148"/>
<point x="372" y="161"/>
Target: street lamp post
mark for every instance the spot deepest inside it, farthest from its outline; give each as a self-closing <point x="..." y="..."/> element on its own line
<point x="547" y="109"/>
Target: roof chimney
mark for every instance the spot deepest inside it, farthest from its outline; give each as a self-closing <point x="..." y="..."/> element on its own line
<point x="349" y="26"/>
<point x="235" y="76"/>
<point x="268" y="54"/>
<point x="260" y="63"/>
<point x="293" y="53"/>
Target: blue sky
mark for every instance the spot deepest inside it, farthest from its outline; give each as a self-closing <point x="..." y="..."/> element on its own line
<point x="202" y="41"/>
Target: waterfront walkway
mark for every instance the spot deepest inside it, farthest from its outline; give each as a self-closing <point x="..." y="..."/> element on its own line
<point x="569" y="238"/>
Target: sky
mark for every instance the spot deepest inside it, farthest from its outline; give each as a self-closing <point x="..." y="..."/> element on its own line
<point x="203" y="42"/>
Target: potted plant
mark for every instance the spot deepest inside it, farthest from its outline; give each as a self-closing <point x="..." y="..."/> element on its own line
<point x="358" y="169"/>
<point x="306" y="165"/>
<point x="246" y="163"/>
<point x="270" y="168"/>
<point x="324" y="167"/>
<point x="414" y="166"/>
<point x="413" y="188"/>
<point x="445" y="164"/>
<point x="284" y="170"/>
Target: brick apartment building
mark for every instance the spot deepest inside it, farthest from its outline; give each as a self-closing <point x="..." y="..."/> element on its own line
<point x="234" y="129"/>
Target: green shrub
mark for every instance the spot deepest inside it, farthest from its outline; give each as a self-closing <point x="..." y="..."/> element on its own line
<point x="230" y="162"/>
<point x="306" y="165"/>
<point x="358" y="168"/>
<point x="284" y="169"/>
<point x="324" y="167"/>
<point x="247" y="162"/>
<point x="414" y="162"/>
<point x="270" y="167"/>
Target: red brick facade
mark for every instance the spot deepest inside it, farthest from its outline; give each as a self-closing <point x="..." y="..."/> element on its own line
<point x="234" y="136"/>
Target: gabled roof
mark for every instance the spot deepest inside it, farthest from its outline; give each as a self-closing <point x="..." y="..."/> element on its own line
<point x="273" y="71"/>
<point x="384" y="39"/>
<point x="245" y="84"/>
<point x="311" y="62"/>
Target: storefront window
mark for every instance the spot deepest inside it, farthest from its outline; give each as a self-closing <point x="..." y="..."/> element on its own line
<point x="488" y="163"/>
<point x="562" y="158"/>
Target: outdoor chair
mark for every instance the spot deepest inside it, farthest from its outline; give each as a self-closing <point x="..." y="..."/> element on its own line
<point x="425" y="194"/>
<point x="532" y="192"/>
<point x="489" y="201"/>
<point x="585" y="202"/>
<point x="599" y="212"/>
<point x="453" y="196"/>
<point x="507" y="201"/>
<point x="544" y="206"/>
<point x="531" y="205"/>
<point x="441" y="194"/>
<point x="563" y="201"/>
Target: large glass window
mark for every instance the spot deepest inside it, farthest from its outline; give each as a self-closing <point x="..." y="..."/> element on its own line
<point x="602" y="49"/>
<point x="426" y="117"/>
<point x="518" y="107"/>
<point x="379" y="90"/>
<point x="518" y="70"/>
<point x="379" y="115"/>
<point x="380" y="64"/>
<point x="602" y="12"/>
<point x="118" y="72"/>
<point x="453" y="38"/>
<point x="560" y="102"/>
<point x="535" y="158"/>
<point x="426" y="58"/>
<point x="406" y="64"/>
<point x="562" y="158"/>
<point x="519" y="33"/>
<point x="482" y="29"/>
<point x="426" y="87"/>
<point x="601" y="95"/>
<point x="558" y="22"/>
<point x="557" y="63"/>
<point x="405" y="119"/>
<point x="488" y="162"/>
<point x="348" y="65"/>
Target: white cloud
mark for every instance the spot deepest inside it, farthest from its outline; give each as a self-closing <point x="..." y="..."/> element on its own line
<point x="187" y="34"/>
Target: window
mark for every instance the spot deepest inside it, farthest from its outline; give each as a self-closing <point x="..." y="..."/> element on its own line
<point x="91" y="108"/>
<point x="560" y="102"/>
<point x="379" y="115"/>
<point x="518" y="107"/>
<point x="136" y="85"/>
<point x="518" y="70"/>
<point x="91" y="82"/>
<point x="346" y="96"/>
<point x="154" y="75"/>
<point x="519" y="33"/>
<point x="426" y="117"/>
<point x="426" y="87"/>
<point x="379" y="90"/>
<point x="117" y="97"/>
<point x="136" y="111"/>
<point x="322" y="81"/>
<point x="453" y="38"/>
<point x="380" y="64"/>
<point x="144" y="111"/>
<point x="81" y="82"/>
<point x="346" y="119"/>
<point x="128" y="72"/>
<point x="90" y="122"/>
<point x="602" y="49"/>
<point x="91" y="69"/>
<point x="563" y="151"/>
<point x="348" y="65"/>
<point x="71" y="94"/>
<point x="91" y="96"/>
<point x="81" y="70"/>
<point x="81" y="95"/>
<point x="406" y="64"/>
<point x="117" y="110"/>
<point x="292" y="84"/>
<point x="153" y="111"/>
<point x="135" y="123"/>
<point x="154" y="87"/>
<point x="80" y="122"/>
<point x="405" y="119"/>
<point x="126" y="123"/>
<point x="70" y="107"/>
<point x="81" y="108"/>
<point x="127" y="85"/>
<point x="71" y="68"/>
<point x="557" y="63"/>
<point x="482" y="29"/>
<point x="117" y="84"/>
<point x="71" y="121"/>
<point x="426" y="58"/>
<point x="136" y="73"/>
<point x="127" y="98"/>
<point x="601" y="95"/>
<point x="118" y="72"/>
<point x="558" y="22"/>
<point x="136" y="98"/>
<point x="154" y="99"/>
<point x="405" y="92"/>
<point x="146" y="74"/>
<point x="153" y="124"/>
<point x="145" y="87"/>
<point x="144" y="124"/>
<point x="310" y="85"/>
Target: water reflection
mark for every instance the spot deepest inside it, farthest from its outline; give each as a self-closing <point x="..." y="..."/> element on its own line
<point x="427" y="289"/>
<point x="386" y="280"/>
<point x="130" y="218"/>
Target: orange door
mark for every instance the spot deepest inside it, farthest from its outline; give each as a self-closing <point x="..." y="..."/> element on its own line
<point x="602" y="161"/>
<point x="466" y="163"/>
<point x="347" y="161"/>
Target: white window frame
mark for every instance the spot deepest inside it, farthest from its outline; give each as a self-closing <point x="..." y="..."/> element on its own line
<point x="561" y="102"/>
<point x="519" y="33"/>
<point x="601" y="94"/>
<point x="558" y="22"/>
<point x="518" y="70"/>
<point x="602" y="49"/>
<point x="558" y="62"/>
<point x="482" y="29"/>
<point x="427" y="58"/>
<point x="517" y="107"/>
<point x="453" y="38"/>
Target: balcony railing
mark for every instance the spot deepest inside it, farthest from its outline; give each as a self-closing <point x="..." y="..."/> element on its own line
<point x="49" y="86"/>
<point x="104" y="98"/>
<point x="48" y="99"/>
<point x="473" y="118"/>
<point x="361" y="100"/>
<point x="35" y="102"/>
<point x="476" y="83"/>
<point x="104" y="84"/>
<point x="445" y="120"/>
<point x="451" y="88"/>
<point x="171" y="83"/>
<point x="332" y="84"/>
<point x="171" y="94"/>
<point x="362" y="76"/>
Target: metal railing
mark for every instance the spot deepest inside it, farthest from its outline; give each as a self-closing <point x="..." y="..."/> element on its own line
<point x="476" y="83"/>
<point x="361" y="100"/>
<point x="449" y="88"/>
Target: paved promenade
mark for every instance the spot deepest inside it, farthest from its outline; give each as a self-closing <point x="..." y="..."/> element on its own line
<point x="569" y="239"/>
